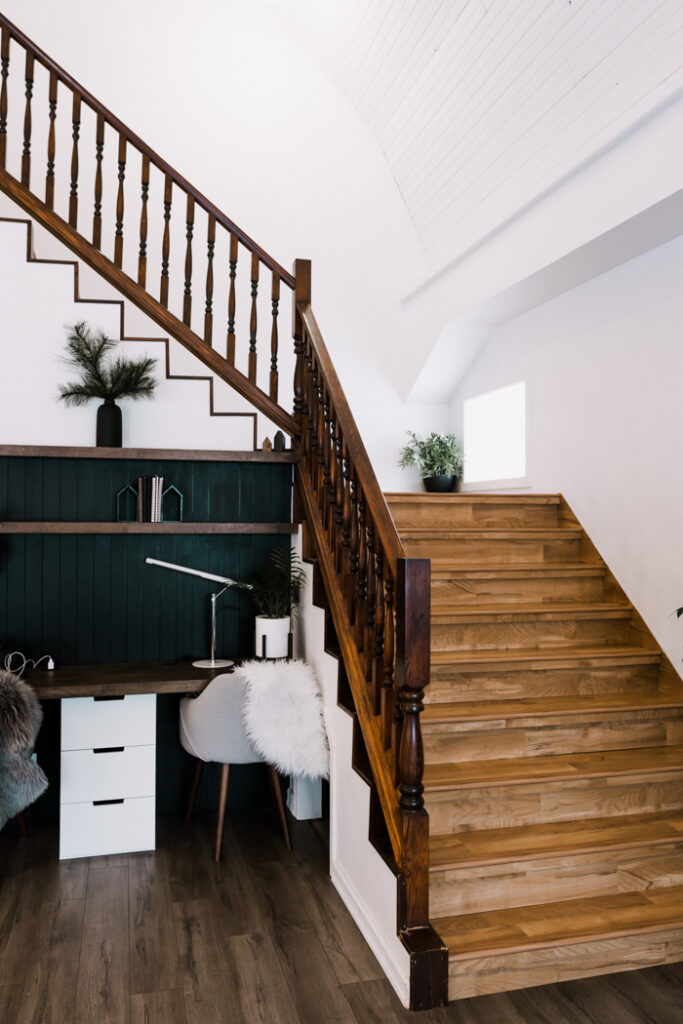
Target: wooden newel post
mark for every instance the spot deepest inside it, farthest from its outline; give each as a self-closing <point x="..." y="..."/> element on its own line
<point x="412" y="675"/>
<point x="302" y="293"/>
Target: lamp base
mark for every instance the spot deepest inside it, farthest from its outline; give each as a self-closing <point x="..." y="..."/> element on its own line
<point x="208" y="663"/>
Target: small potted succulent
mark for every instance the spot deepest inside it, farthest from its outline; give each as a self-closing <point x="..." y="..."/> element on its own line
<point x="118" y="378"/>
<point x="438" y="457"/>
<point x="276" y="591"/>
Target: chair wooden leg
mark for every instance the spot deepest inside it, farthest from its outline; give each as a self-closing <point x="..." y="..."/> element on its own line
<point x="222" y="801"/>
<point x="277" y="794"/>
<point x="22" y="825"/>
<point x="195" y="786"/>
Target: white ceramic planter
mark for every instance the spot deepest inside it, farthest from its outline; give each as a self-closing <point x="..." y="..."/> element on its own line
<point x="276" y="633"/>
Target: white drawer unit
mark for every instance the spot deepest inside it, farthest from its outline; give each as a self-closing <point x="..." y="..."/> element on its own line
<point x="108" y="775"/>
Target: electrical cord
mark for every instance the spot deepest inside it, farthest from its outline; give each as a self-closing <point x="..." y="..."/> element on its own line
<point x="19" y="670"/>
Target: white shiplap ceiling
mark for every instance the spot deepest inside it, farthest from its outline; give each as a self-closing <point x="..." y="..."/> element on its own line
<point x="480" y="106"/>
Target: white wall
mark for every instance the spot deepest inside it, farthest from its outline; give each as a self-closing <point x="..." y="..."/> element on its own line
<point x="361" y="877"/>
<point x="603" y="366"/>
<point x="226" y="95"/>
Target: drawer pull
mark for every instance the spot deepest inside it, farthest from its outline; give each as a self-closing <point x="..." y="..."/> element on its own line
<point x="108" y="750"/>
<point x="101" y="803"/>
<point x="121" y="696"/>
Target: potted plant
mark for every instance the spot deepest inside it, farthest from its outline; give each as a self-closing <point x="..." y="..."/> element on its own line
<point x="438" y="457"/>
<point x="276" y="590"/>
<point x="118" y="378"/>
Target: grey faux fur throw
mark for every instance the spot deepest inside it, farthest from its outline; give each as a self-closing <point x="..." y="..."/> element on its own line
<point x="21" y="780"/>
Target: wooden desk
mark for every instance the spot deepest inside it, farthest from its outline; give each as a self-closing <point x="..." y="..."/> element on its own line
<point x="120" y="679"/>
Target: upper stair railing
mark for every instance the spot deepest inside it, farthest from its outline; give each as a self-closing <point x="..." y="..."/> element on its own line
<point x="80" y="190"/>
<point x="84" y="196"/>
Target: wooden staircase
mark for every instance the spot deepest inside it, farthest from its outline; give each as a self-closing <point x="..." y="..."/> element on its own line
<point x="553" y="742"/>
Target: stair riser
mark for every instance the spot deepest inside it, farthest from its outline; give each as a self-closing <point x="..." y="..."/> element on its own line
<point x="533" y="737"/>
<point x="470" y="890"/>
<point x="446" y="684"/>
<point x="529" y="635"/>
<point x="459" y="515"/>
<point x="495" y="552"/>
<point x="507" y="806"/>
<point x="499" y="590"/>
<point x="504" y="973"/>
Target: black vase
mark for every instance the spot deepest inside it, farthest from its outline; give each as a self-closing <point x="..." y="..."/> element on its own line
<point x="109" y="428"/>
<point x="440" y="484"/>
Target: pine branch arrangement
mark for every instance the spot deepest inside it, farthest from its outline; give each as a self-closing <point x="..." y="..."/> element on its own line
<point x="108" y="380"/>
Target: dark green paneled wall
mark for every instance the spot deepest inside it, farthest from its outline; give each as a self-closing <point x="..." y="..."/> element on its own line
<point x="92" y="599"/>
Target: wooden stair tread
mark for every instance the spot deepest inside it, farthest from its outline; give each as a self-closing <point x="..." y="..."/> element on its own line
<point x="513" y="771"/>
<point x="446" y="568"/>
<point x="544" y="657"/>
<point x="492" y="533"/>
<point x="560" y="924"/>
<point x="553" y="839"/>
<point x="462" y="498"/>
<point x="536" y="707"/>
<point x="521" y="611"/>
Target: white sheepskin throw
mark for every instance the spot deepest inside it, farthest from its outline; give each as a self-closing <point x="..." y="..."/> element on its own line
<point x="283" y="717"/>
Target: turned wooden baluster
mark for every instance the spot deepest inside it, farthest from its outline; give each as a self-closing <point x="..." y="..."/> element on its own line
<point x="142" y="252"/>
<point x="253" y="318"/>
<point x="189" y="232"/>
<point x="312" y="418"/>
<point x="208" y="310"/>
<point x="51" y="144"/>
<point x="97" y="213"/>
<point x="26" y="151"/>
<point x="331" y="524"/>
<point x="347" y="515"/>
<point x="166" y="242"/>
<point x="325" y="460"/>
<point x="302" y="293"/>
<point x="353" y="550"/>
<point x="387" y="696"/>
<point x="339" y="500"/>
<point x="369" y="624"/>
<point x="231" y="300"/>
<point x="320" y="448"/>
<point x="378" y="656"/>
<point x="118" y="234"/>
<point x="75" y="133"/>
<point x="275" y="302"/>
<point x="4" y="72"/>
<point x="362" y="575"/>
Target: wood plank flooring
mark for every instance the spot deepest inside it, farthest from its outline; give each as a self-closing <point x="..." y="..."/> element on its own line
<point x="261" y="938"/>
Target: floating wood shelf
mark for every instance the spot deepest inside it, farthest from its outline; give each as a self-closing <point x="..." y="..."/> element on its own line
<point x="175" y="454"/>
<point x="104" y="527"/>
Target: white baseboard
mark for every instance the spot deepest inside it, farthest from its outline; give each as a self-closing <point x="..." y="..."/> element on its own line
<point x="395" y="966"/>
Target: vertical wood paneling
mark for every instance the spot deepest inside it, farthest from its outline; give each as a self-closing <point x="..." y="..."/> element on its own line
<point x="91" y="598"/>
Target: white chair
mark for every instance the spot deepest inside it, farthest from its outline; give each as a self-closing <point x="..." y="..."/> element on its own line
<point x="211" y="729"/>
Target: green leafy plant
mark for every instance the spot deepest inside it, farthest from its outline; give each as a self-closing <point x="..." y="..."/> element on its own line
<point x="108" y="380"/>
<point x="276" y="590"/>
<point x="436" y="455"/>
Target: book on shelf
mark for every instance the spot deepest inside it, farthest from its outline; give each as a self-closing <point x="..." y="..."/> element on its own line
<point x="150" y="490"/>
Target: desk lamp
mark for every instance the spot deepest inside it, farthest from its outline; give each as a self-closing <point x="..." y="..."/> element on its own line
<point x="211" y="662"/>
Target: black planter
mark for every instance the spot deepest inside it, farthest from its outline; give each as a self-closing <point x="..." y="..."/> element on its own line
<point x="109" y="428"/>
<point x="440" y="484"/>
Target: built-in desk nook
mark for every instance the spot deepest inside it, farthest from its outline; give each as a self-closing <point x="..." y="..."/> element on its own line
<point x="74" y="585"/>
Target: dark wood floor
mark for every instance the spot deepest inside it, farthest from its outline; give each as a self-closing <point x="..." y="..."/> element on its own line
<point x="263" y="938"/>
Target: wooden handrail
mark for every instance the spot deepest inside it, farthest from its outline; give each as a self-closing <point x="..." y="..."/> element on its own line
<point x="378" y="599"/>
<point x="114" y="122"/>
